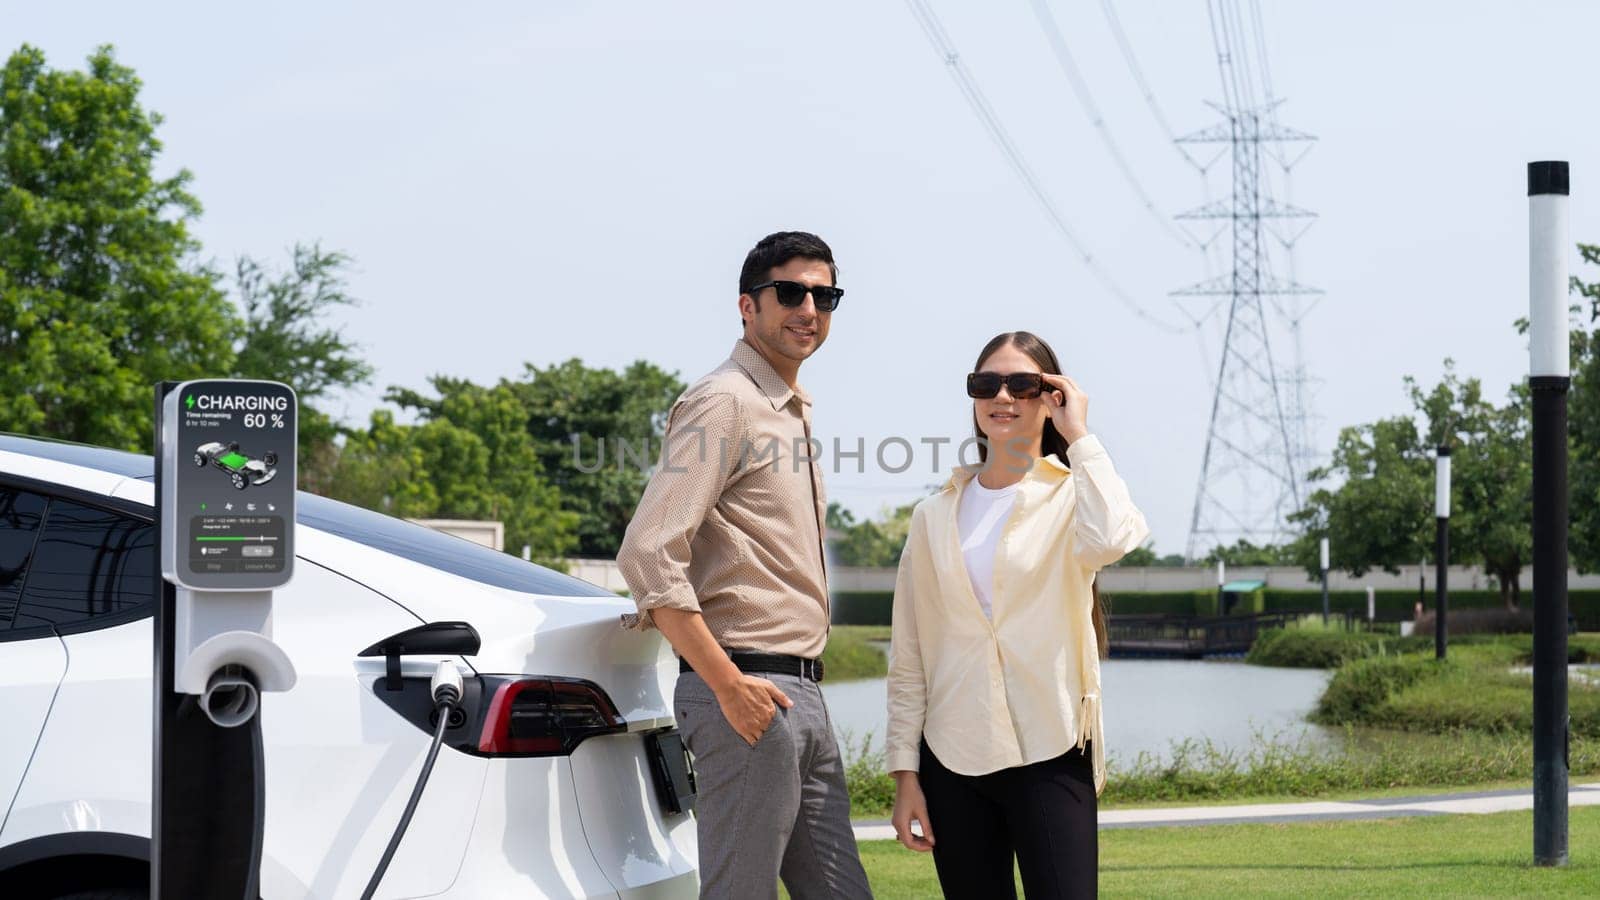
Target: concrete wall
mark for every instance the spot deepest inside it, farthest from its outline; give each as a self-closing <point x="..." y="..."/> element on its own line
<point x="603" y="572"/>
<point x="489" y="534"/>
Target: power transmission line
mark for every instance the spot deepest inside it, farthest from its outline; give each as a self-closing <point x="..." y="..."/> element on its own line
<point x="1149" y="95"/>
<point x="1080" y="87"/>
<point x="968" y="85"/>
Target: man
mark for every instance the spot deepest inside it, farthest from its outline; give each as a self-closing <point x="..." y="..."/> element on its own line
<point x="724" y="556"/>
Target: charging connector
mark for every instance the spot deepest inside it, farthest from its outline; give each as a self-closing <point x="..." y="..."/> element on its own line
<point x="446" y="689"/>
<point x="446" y="686"/>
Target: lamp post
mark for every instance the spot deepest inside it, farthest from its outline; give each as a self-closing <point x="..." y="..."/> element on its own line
<point x="1441" y="550"/>
<point x="1324" y="581"/>
<point x="1549" y="378"/>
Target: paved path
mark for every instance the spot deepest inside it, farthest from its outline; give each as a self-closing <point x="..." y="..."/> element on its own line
<point x="1313" y="811"/>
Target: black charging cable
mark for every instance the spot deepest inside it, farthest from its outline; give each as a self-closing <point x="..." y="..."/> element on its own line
<point x="446" y="690"/>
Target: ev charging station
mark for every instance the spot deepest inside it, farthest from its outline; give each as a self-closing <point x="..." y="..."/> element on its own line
<point x="225" y="487"/>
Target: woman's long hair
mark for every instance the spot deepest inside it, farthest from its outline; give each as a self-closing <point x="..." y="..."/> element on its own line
<point x="1037" y="350"/>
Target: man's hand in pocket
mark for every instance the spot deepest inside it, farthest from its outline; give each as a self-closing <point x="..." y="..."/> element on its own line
<point x="750" y="704"/>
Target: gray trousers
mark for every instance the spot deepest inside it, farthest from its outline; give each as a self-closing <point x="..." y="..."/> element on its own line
<point x="776" y="809"/>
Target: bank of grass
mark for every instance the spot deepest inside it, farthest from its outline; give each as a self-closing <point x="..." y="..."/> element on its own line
<point x="1476" y="689"/>
<point x="1309" y="644"/>
<point x="1411" y="724"/>
<point x="849" y="655"/>
<point x="1369" y="762"/>
<point x="1444" y="856"/>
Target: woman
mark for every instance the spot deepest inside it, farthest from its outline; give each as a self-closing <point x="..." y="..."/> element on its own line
<point x="994" y="732"/>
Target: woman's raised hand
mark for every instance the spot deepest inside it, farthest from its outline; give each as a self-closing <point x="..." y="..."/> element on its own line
<point x="1068" y="405"/>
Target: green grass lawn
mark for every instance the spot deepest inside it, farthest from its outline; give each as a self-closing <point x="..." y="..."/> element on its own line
<point x="1454" y="856"/>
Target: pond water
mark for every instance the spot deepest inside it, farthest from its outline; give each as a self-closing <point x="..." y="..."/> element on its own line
<point x="1150" y="705"/>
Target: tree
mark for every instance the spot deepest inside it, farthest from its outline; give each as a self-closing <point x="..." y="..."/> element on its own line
<point x="1491" y="476"/>
<point x="1378" y="514"/>
<point x="1583" y="422"/>
<point x="474" y="451"/>
<point x="870" y="543"/>
<point x="592" y="435"/>
<point x="1244" y="553"/>
<point x="1382" y="515"/>
<point x="97" y="302"/>
<point x="98" y="299"/>
<point x="384" y="469"/>
<point x="597" y="433"/>
<point x="283" y="338"/>
<point x="1139" y="557"/>
<point x="1146" y="556"/>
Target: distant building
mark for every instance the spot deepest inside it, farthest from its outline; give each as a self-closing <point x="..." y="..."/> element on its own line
<point x="489" y="534"/>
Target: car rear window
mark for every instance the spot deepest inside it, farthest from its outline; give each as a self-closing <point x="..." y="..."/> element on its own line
<point x="20" y="515"/>
<point x="87" y="563"/>
<point x="455" y="555"/>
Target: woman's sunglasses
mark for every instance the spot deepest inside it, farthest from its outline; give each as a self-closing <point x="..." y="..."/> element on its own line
<point x="1022" y="385"/>
<point x="793" y="293"/>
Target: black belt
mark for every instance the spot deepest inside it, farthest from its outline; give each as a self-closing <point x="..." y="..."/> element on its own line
<point x="771" y="664"/>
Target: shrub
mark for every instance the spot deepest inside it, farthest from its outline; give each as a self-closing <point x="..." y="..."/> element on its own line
<point x="848" y="655"/>
<point x="1475" y="689"/>
<point x="1156" y="603"/>
<point x="1360" y="687"/>
<point x="870" y="785"/>
<point x="1312" y="648"/>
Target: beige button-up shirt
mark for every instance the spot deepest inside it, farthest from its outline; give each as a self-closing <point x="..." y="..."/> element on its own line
<point x="1025" y="687"/>
<point x="731" y="523"/>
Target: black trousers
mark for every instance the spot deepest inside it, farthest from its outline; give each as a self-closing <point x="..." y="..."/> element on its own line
<point x="1042" y="815"/>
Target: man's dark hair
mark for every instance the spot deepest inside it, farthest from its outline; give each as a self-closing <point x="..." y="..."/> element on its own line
<point x="776" y="249"/>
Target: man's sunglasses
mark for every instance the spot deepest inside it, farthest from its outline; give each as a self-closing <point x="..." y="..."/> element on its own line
<point x="793" y="293"/>
<point x="1022" y="385"/>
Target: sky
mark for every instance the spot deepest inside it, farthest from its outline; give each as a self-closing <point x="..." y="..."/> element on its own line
<point x="522" y="183"/>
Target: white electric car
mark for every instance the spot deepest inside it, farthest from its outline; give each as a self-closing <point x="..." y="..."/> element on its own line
<point x="546" y="788"/>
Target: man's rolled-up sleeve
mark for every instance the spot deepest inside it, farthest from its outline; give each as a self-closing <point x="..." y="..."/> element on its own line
<point x="703" y="435"/>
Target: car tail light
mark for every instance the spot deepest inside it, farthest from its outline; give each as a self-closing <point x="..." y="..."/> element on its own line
<point x="546" y="717"/>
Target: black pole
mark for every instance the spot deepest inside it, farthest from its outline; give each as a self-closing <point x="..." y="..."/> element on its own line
<point x="162" y="802"/>
<point x="1441" y="603"/>
<point x="1549" y="379"/>
<point x="206" y="799"/>
<point x="1550" y="722"/>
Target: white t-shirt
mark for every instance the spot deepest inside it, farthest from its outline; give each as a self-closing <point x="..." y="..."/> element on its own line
<point x="982" y="515"/>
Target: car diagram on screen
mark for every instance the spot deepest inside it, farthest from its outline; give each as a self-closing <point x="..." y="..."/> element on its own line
<point x="242" y="471"/>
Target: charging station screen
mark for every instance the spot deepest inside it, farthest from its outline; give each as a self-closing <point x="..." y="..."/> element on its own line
<point x="229" y="484"/>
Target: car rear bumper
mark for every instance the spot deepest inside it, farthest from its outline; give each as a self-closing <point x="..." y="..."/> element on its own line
<point x="581" y="826"/>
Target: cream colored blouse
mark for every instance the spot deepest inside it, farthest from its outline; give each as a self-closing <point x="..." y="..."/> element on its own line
<point x="1025" y="687"/>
